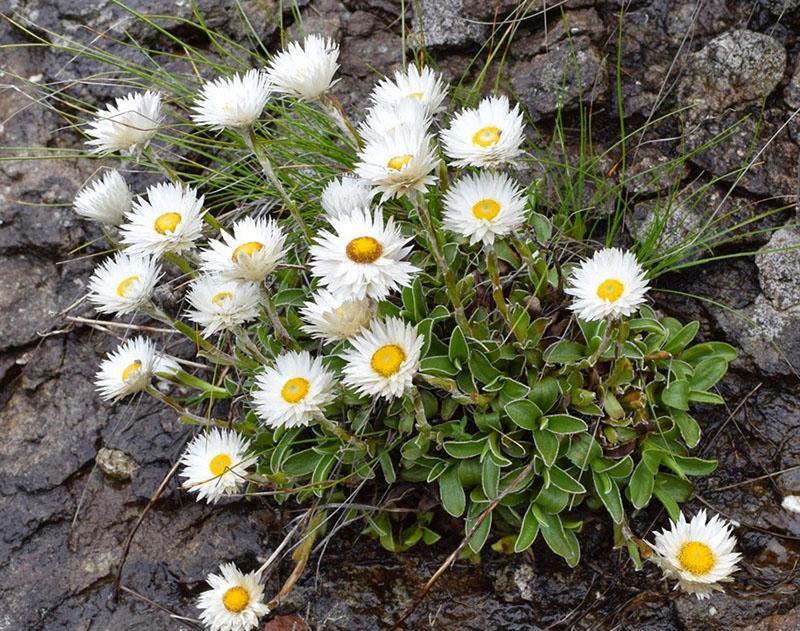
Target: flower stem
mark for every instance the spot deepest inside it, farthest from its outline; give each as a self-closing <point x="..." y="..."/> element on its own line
<point x="266" y="166"/>
<point x="449" y="278"/>
<point x="285" y="340"/>
<point x="423" y="427"/>
<point x="497" y="291"/>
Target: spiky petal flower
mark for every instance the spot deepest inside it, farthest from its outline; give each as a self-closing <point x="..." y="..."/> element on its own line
<point x="294" y="391"/>
<point x="421" y="86"/>
<point x="699" y="553"/>
<point x="235" y="601"/>
<point x="384" y="359"/>
<point x="215" y="463"/>
<point x="219" y="304"/>
<point x="170" y="219"/>
<point x="127" y="125"/>
<point x="384" y="119"/>
<point x="484" y="206"/>
<point x="306" y="71"/>
<point x="611" y="284"/>
<point x="487" y="136"/>
<point x="105" y="200"/>
<point x="123" y="284"/>
<point x="400" y="162"/>
<point x="332" y="319"/>
<point x="251" y="253"/>
<point x="344" y="195"/>
<point x="361" y="257"/>
<point x="127" y="369"/>
<point x="235" y="102"/>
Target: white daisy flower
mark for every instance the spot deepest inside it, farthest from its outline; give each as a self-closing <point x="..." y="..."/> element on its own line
<point x="384" y="119"/>
<point x="294" y="391"/>
<point x="169" y="220"/>
<point x="333" y="320"/>
<point x="699" y="553"/>
<point x="609" y="285"/>
<point x="123" y="284"/>
<point x="487" y="136"/>
<point x="361" y="257"/>
<point x="215" y="463"/>
<point x="384" y="359"/>
<point x="344" y="195"/>
<point x="306" y="71"/>
<point x="128" y="125"/>
<point x="422" y="86"/>
<point x="235" y="601"/>
<point x="400" y="162"/>
<point x="251" y="253"/>
<point x="234" y="102"/>
<point x="484" y="206"/>
<point x="220" y="304"/>
<point x="105" y="200"/>
<point x="127" y="369"/>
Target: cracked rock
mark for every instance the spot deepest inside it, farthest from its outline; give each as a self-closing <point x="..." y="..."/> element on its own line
<point x="442" y="23"/>
<point x="116" y="464"/>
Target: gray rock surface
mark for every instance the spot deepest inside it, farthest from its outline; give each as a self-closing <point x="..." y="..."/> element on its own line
<point x="571" y="72"/>
<point x="443" y="23"/>
<point x="779" y="268"/>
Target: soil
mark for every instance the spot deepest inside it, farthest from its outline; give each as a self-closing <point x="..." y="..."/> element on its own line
<point x="75" y="473"/>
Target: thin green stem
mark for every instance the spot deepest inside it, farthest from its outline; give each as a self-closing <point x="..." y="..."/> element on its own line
<point x="181" y="263"/>
<point x="284" y="338"/>
<point x="423" y="427"/>
<point x="497" y="290"/>
<point x="251" y="141"/>
<point x="449" y="278"/>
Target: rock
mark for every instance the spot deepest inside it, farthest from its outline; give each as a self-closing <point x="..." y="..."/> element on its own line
<point x="679" y="215"/>
<point x="442" y="23"/>
<point x="757" y="153"/>
<point x="733" y="68"/>
<point x="768" y="337"/>
<point x="28" y="299"/>
<point x="115" y="463"/>
<point x="570" y="73"/>
<point x="781" y="7"/>
<point x="650" y="171"/>
<point x="779" y="268"/>
<point x="490" y="10"/>
<point x="569" y="25"/>
<point x="789" y="621"/>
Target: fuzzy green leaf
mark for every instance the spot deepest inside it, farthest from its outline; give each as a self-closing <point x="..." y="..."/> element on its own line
<point x="565" y="424"/>
<point x="524" y="413"/>
<point x="454" y="500"/>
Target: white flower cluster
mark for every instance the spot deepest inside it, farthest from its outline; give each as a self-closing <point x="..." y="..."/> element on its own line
<point x="358" y="260"/>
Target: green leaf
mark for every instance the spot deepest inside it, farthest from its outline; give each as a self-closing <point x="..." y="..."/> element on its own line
<point x="671" y="490"/>
<point x="465" y="448"/>
<point x="545" y="393"/>
<point x="565" y="481"/>
<point x="564" y="352"/>
<point x="676" y="395"/>
<point x="583" y="451"/>
<point x="699" y="352"/>
<point x="524" y="413"/>
<point x="709" y="398"/>
<point x="676" y="343"/>
<point x="301" y="463"/>
<point x="454" y="500"/>
<point x="563" y="542"/>
<point x="541" y="226"/>
<point x="385" y="460"/>
<point x="414" y="300"/>
<point x="478" y="539"/>
<point x="688" y="427"/>
<point x="289" y="297"/>
<point x="481" y="368"/>
<point x="688" y="465"/>
<point x="640" y="486"/>
<point x="708" y="372"/>
<point x="527" y="532"/>
<point x="546" y="445"/>
<point x="565" y="424"/>
<point x="457" y="350"/>
<point x="438" y="366"/>
<point x="490" y="478"/>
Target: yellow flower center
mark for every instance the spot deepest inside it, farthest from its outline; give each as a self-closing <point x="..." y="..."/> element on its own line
<point x="167" y="223"/>
<point x="387" y="359"/>
<point x="124" y="287"/>
<point x="415" y="95"/>
<point x="610" y="290"/>
<point x="696" y="557"/>
<point x="236" y="599"/>
<point x="249" y="248"/>
<point x="295" y="390"/>
<point x="398" y="162"/>
<point x="485" y="209"/>
<point x="364" y="250"/>
<point x="222" y="297"/>
<point x="131" y="370"/>
<point x="486" y="136"/>
<point x="219" y="464"/>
